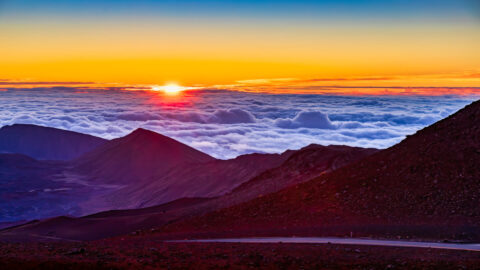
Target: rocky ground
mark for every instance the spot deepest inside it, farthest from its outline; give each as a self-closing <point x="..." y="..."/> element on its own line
<point x="151" y="253"/>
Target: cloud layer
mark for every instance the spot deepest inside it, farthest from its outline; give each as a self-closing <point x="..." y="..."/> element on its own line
<point x="306" y="119"/>
<point x="228" y="123"/>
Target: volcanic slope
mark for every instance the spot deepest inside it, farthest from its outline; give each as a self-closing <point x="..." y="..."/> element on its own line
<point x="300" y="166"/>
<point x="427" y="186"/>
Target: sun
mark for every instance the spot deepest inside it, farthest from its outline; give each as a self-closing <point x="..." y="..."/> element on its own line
<point x="171" y="89"/>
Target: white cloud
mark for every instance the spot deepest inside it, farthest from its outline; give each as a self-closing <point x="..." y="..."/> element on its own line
<point x="308" y="120"/>
<point x="138" y="116"/>
<point x="203" y="144"/>
<point x="225" y="124"/>
<point x="232" y="116"/>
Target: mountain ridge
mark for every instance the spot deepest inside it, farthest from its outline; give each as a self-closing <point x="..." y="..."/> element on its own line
<point x="124" y="173"/>
<point x="99" y="225"/>
<point x="138" y="155"/>
<point x="426" y="184"/>
<point x="46" y="143"/>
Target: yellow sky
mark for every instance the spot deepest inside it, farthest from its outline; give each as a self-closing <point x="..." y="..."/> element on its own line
<point x="209" y="53"/>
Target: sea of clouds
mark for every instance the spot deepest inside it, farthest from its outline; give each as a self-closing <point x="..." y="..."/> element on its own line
<point x="226" y="124"/>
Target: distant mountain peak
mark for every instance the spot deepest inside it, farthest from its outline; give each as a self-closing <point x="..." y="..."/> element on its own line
<point x="139" y="155"/>
<point x="42" y="142"/>
<point x="142" y="131"/>
<point x="152" y="137"/>
<point x="29" y="126"/>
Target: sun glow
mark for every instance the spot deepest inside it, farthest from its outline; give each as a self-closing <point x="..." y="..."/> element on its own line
<point x="171" y="89"/>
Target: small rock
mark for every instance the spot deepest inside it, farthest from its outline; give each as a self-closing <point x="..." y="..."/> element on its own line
<point x="76" y="251"/>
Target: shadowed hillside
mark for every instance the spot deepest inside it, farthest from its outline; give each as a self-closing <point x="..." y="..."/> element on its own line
<point x="298" y="166"/>
<point x="141" y="169"/>
<point x="45" y="142"/>
<point x="426" y="185"/>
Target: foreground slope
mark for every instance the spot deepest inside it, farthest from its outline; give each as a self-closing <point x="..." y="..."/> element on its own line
<point x="426" y="186"/>
<point x="303" y="165"/>
<point x="148" y="253"/>
<point x="46" y="143"/>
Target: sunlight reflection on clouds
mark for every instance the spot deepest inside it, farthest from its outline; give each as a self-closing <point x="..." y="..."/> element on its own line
<point x="229" y="123"/>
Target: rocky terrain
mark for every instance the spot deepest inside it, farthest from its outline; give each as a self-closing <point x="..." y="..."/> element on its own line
<point x="424" y="187"/>
<point x="149" y="253"/>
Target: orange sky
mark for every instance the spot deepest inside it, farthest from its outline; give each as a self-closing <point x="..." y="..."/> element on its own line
<point x="194" y="52"/>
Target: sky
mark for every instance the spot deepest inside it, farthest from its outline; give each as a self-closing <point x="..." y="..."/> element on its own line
<point x="257" y="76"/>
<point x="400" y="43"/>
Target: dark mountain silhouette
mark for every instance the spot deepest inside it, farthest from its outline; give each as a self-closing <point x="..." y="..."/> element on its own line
<point x="303" y="165"/>
<point x="139" y="170"/>
<point x="206" y="179"/>
<point x="46" y="143"/>
<point x="427" y="186"/>
<point x="150" y="169"/>
<point x="139" y="155"/>
<point x="298" y="166"/>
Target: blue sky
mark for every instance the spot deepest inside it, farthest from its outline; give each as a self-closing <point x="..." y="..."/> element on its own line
<point x="326" y="8"/>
